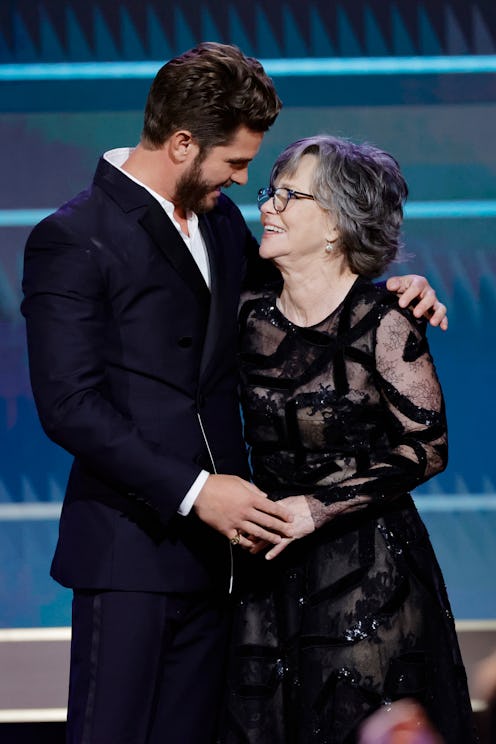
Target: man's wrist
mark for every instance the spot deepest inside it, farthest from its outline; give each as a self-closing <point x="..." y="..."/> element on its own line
<point x="188" y="502"/>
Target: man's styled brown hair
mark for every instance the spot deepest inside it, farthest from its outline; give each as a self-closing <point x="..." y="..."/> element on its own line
<point x="211" y="91"/>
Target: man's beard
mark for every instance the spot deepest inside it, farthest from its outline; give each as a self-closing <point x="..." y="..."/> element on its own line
<point x="192" y="190"/>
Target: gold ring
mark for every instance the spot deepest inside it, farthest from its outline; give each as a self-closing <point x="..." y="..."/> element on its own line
<point x="236" y="539"/>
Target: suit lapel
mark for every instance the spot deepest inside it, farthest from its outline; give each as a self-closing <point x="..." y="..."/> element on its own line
<point x="167" y="239"/>
<point x="217" y="281"/>
<point x="132" y="197"/>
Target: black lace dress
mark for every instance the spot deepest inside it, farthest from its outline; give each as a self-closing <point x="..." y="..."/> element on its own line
<point x="349" y="412"/>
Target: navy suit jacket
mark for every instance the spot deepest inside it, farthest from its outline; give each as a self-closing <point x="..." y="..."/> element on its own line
<point x="126" y="347"/>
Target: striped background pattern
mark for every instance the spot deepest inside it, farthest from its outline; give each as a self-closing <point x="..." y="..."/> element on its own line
<point x="417" y="78"/>
<point x="83" y="30"/>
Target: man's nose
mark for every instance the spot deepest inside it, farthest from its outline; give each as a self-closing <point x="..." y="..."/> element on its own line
<point x="240" y="177"/>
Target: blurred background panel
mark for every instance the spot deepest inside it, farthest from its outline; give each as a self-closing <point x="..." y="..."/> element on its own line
<point x="415" y="78"/>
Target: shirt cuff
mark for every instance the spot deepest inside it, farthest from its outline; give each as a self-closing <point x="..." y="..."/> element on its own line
<point x="186" y="504"/>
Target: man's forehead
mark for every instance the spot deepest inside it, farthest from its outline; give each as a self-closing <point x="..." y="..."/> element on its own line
<point x="244" y="145"/>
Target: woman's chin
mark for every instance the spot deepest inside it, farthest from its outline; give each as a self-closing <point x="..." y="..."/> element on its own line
<point x="268" y="249"/>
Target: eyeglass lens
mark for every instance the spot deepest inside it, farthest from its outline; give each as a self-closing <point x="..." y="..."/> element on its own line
<point x="280" y="197"/>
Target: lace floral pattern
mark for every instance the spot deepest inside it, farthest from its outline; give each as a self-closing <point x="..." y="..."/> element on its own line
<point x="350" y="414"/>
<point x="351" y="407"/>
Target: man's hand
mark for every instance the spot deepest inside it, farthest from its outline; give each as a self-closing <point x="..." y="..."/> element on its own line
<point x="236" y="507"/>
<point x="412" y="287"/>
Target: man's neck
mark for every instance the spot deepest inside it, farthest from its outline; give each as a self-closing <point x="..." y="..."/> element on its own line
<point x="150" y="168"/>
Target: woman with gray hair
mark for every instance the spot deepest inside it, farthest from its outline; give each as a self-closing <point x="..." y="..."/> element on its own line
<point x="344" y="415"/>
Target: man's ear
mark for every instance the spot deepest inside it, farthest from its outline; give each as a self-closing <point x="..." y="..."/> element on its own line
<point x="182" y="146"/>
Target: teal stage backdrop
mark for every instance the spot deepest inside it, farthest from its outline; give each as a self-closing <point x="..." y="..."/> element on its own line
<point x="416" y="78"/>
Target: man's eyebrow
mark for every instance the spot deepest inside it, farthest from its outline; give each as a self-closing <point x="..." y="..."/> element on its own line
<point x="238" y="161"/>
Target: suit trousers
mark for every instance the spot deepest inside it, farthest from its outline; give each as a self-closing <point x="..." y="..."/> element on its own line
<point x="146" y="668"/>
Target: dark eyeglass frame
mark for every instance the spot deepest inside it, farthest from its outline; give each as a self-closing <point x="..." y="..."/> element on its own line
<point x="269" y="192"/>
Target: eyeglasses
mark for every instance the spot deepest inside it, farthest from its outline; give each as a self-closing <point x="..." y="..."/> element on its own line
<point x="280" y="197"/>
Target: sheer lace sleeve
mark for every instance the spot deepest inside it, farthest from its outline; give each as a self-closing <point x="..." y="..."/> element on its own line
<point x="414" y="418"/>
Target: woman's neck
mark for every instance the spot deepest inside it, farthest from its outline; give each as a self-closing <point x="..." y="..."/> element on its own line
<point x="309" y="296"/>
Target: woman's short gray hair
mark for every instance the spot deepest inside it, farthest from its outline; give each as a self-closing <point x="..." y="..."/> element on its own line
<point x="364" y="191"/>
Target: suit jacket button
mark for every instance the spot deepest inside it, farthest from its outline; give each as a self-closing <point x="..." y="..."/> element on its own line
<point x="185" y="342"/>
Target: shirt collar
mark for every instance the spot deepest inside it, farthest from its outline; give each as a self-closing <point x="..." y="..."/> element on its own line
<point x="118" y="156"/>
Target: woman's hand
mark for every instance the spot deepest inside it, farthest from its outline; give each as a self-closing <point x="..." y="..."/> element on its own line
<point x="302" y="524"/>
